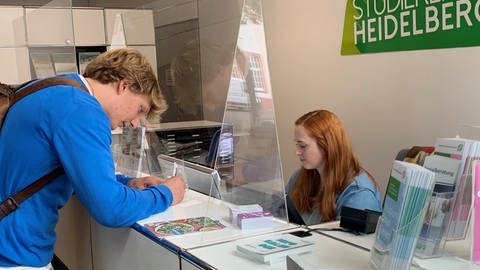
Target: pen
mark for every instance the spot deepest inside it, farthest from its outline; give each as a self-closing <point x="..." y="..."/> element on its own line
<point x="175" y="173"/>
<point x="175" y="169"/>
<point x="216" y="181"/>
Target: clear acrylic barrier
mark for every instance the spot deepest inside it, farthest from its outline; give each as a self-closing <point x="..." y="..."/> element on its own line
<point x="431" y="241"/>
<point x="462" y="207"/>
<point x="219" y="130"/>
<point x="129" y="151"/>
<point x="399" y="252"/>
<point x="248" y="156"/>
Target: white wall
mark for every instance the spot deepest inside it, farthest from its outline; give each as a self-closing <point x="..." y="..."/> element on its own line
<point x="387" y="101"/>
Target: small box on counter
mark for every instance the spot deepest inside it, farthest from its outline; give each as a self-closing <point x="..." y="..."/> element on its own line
<point x="255" y="220"/>
<point x="240" y="209"/>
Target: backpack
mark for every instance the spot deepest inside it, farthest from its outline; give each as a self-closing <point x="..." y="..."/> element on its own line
<point x="6" y="92"/>
<point x="8" y="97"/>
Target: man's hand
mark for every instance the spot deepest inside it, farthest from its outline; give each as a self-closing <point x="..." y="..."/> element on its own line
<point x="143" y="182"/>
<point x="177" y="185"/>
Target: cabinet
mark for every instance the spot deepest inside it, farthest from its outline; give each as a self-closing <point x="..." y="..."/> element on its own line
<point x="49" y="26"/>
<point x="137" y="25"/>
<point x="205" y="143"/>
<point x="66" y="27"/>
<point x="89" y="27"/>
<point x="190" y="141"/>
<point x="13" y="50"/>
<point x="133" y="28"/>
<point x="60" y="33"/>
<point x="73" y="245"/>
<point x="15" y="65"/>
<point x="12" y="28"/>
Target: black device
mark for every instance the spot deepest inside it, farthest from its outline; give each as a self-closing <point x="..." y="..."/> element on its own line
<point x="301" y="233"/>
<point x="293" y="215"/>
<point x="359" y="220"/>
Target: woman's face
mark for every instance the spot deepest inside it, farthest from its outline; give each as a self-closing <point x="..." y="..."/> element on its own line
<point x="307" y="150"/>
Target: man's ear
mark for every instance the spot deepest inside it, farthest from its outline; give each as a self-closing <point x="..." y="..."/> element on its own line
<point x="121" y="86"/>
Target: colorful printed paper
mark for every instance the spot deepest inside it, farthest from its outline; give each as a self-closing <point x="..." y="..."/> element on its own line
<point x="184" y="226"/>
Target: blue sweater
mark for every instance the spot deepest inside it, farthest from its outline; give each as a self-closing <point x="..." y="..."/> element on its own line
<point x="361" y="193"/>
<point x="62" y="125"/>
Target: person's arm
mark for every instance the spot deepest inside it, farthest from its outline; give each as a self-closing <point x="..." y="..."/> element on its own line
<point x="361" y="193"/>
<point x="141" y="182"/>
<point x="82" y="140"/>
<point x="123" y="178"/>
<point x="363" y="199"/>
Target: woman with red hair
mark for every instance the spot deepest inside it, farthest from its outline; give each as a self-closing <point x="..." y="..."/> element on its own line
<point x="331" y="175"/>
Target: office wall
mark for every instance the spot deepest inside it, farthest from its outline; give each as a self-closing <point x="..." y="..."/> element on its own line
<point x="387" y="101"/>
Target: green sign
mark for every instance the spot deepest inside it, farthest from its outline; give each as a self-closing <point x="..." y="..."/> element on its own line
<point x="398" y="25"/>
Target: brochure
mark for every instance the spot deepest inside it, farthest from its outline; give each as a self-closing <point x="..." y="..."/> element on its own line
<point x="184" y="226"/>
<point x="274" y="248"/>
<point x="408" y="194"/>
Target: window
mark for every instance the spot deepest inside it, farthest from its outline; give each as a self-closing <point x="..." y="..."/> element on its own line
<point x="235" y="71"/>
<point x="256" y="71"/>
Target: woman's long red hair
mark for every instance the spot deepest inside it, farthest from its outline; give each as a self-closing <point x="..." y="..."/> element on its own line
<point x="341" y="165"/>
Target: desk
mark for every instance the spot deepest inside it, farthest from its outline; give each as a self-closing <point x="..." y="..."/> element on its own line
<point x="456" y="256"/>
<point x="328" y="253"/>
<point x="363" y="241"/>
<point x="196" y="204"/>
<point x="117" y="249"/>
<point x="456" y="253"/>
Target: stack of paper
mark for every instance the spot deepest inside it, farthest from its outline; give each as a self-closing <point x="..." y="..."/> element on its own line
<point x="274" y="248"/>
<point x="408" y="193"/>
<point x="235" y="210"/>
<point x="255" y="220"/>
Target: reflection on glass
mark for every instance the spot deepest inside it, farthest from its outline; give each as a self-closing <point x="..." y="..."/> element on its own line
<point x="213" y="71"/>
<point x="257" y="173"/>
<point x="182" y="79"/>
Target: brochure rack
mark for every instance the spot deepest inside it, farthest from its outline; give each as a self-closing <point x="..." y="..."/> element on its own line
<point x="399" y="253"/>
<point x="432" y="236"/>
<point x="408" y="193"/>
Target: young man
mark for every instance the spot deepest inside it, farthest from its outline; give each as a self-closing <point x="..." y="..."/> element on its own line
<point x="69" y="127"/>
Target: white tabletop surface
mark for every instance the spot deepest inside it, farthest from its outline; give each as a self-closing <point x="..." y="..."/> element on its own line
<point x="197" y="205"/>
<point x="456" y="253"/>
<point x="328" y="253"/>
<point x="333" y="249"/>
<point x="364" y="241"/>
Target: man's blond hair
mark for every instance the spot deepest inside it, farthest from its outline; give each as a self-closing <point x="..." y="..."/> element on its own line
<point x="130" y="64"/>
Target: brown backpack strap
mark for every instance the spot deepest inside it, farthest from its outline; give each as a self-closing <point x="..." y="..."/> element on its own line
<point x="44" y="84"/>
<point x="11" y="203"/>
